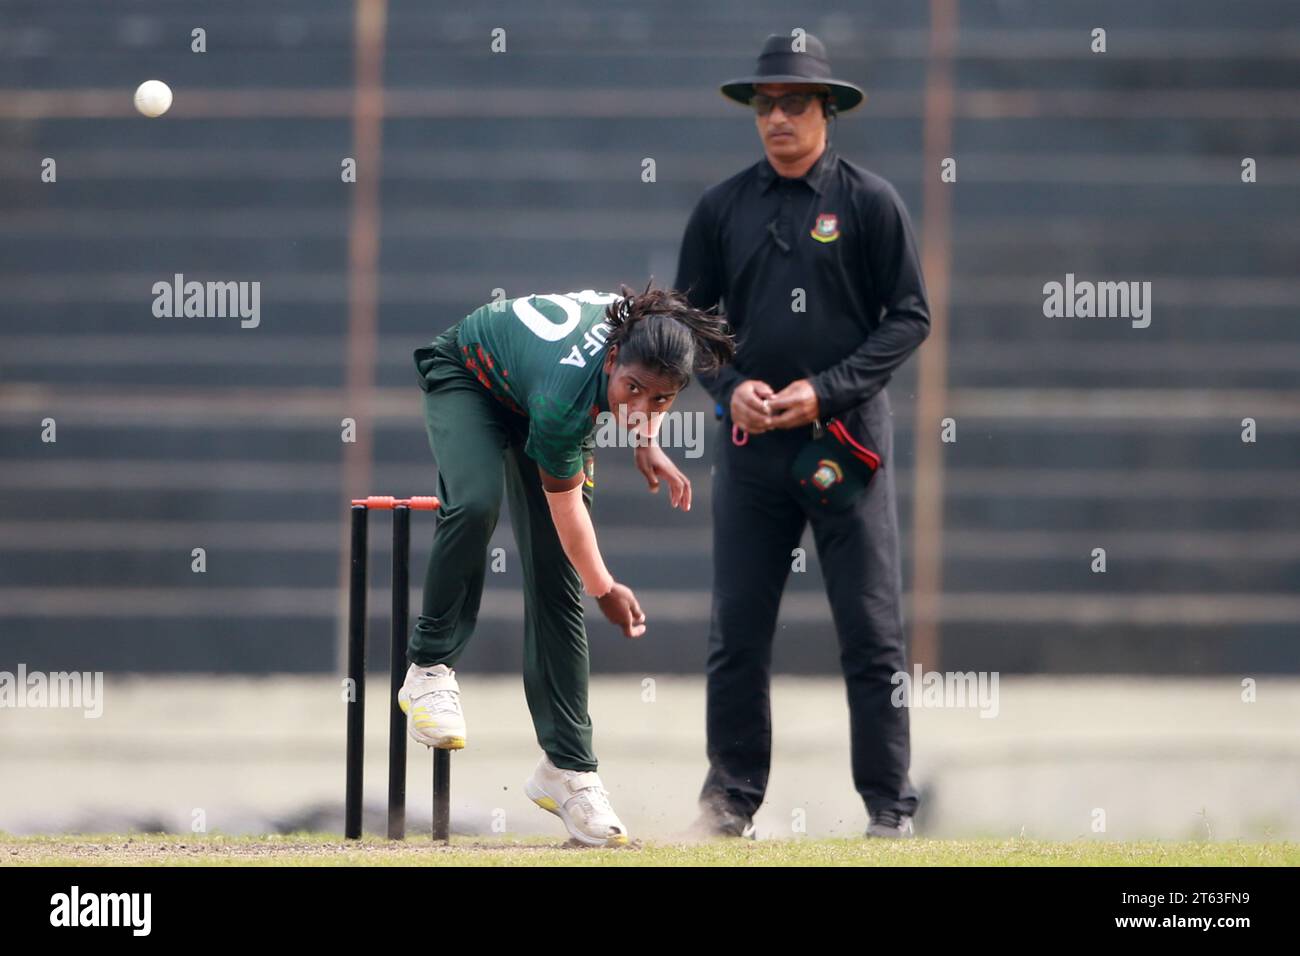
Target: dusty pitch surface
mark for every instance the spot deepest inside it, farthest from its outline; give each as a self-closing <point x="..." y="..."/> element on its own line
<point x="328" y="850"/>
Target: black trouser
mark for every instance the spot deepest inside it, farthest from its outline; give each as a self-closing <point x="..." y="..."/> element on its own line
<point x="758" y="520"/>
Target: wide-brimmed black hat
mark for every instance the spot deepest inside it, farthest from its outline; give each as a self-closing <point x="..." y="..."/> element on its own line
<point x="779" y="63"/>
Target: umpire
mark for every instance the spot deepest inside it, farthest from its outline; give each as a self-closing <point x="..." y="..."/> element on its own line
<point x="815" y="261"/>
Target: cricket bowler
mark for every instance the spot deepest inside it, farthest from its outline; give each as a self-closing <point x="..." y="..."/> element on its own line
<point x="511" y="398"/>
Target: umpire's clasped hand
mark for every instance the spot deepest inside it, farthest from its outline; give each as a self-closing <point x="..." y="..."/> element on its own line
<point x="795" y="405"/>
<point x="750" y="406"/>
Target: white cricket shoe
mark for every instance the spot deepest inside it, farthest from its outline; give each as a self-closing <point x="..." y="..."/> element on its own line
<point x="579" y="799"/>
<point x="430" y="698"/>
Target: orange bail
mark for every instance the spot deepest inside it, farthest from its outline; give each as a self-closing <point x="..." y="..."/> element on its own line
<point x="388" y="502"/>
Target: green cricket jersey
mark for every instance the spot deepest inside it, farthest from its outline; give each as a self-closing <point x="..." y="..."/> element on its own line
<point x="542" y="356"/>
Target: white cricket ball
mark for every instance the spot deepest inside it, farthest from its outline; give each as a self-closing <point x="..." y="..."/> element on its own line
<point x="153" y="98"/>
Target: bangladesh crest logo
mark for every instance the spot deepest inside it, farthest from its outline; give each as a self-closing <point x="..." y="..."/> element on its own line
<point x="827" y="228"/>
<point x="828" y="473"/>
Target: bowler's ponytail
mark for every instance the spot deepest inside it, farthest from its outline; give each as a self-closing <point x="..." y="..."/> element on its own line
<point x="658" y="328"/>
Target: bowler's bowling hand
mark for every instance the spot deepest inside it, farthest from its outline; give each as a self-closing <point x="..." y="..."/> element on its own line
<point x="749" y="406"/>
<point x="795" y="405"/>
<point x="621" y="609"/>
<point x="656" y="466"/>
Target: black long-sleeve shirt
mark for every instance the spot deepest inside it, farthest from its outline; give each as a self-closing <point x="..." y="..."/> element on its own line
<point x="840" y="234"/>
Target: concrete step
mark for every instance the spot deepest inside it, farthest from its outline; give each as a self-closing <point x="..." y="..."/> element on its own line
<point x="1179" y="571"/>
<point x="243" y="644"/>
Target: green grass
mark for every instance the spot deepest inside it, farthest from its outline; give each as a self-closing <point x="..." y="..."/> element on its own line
<point x="327" y="850"/>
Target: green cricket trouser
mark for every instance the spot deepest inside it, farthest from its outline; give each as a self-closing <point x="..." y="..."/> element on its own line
<point x="479" y="444"/>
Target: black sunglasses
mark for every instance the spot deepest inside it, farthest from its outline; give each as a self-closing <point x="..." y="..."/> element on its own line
<point x="792" y="104"/>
